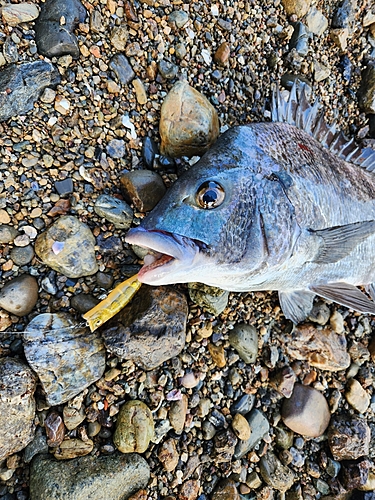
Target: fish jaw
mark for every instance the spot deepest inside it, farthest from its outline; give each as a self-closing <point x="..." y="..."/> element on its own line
<point x="178" y="259"/>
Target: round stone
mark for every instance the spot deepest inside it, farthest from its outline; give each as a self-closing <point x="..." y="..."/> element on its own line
<point x="134" y="427"/>
<point x="20" y="295"/>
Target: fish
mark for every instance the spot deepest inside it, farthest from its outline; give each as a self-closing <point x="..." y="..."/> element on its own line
<point x="286" y="205"/>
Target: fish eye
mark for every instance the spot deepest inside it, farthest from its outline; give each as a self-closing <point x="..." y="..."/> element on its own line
<point x="210" y="194"/>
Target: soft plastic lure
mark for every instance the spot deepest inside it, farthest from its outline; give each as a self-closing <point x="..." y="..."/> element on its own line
<point x="116" y="300"/>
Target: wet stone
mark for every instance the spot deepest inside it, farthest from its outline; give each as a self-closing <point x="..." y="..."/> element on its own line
<point x="114" y="210"/>
<point x="275" y="474"/>
<point x="300" y="39"/>
<point x="120" y="65"/>
<point x="222" y="53"/>
<point x="19" y="295"/>
<point x="14" y="14"/>
<point x="149" y="150"/>
<point x="344" y="15"/>
<point x="177" y="413"/>
<point x="56" y="39"/>
<point x="83" y="302"/>
<point x="114" y="476"/>
<point x="22" y="255"/>
<point x="17" y="406"/>
<point x="143" y="188"/>
<point x="357" y="396"/>
<point x="64" y="187"/>
<point x="366" y="92"/>
<point x="259" y="426"/>
<point x="66" y="357"/>
<point x="167" y="69"/>
<point x="244" y="339"/>
<point x="213" y="299"/>
<point x="150" y="329"/>
<point x="7" y="233"/>
<point x="134" y="427"/>
<point x="348" y="437"/>
<point x="226" y="490"/>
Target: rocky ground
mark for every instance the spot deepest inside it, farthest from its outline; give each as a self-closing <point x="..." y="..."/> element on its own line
<point x="189" y="393"/>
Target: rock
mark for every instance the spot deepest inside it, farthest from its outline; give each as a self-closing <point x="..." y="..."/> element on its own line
<point x="66" y="357"/>
<point x="73" y="448"/>
<point x="226" y="490"/>
<point x="65" y="186"/>
<point x="178" y="19"/>
<point x="116" y="148"/>
<point x="259" y="426"/>
<point x="344" y="15"/>
<point x="244" y="404"/>
<point x="189" y="124"/>
<point x="321" y="72"/>
<point x="167" y="69"/>
<point x="224" y="445"/>
<point x="306" y="411"/>
<point x="284" y="438"/>
<point x="109" y="246"/>
<point x="17" y="406"/>
<point x="119" y="37"/>
<point x="140" y="91"/>
<point x="150" y="329"/>
<point x="241" y="427"/>
<point x="22" y="255"/>
<point x="354" y="475"/>
<point x="24" y="82"/>
<point x="189" y="490"/>
<point x="20" y="295"/>
<point x="222" y="53"/>
<point x="340" y="37"/>
<point x="143" y="188"/>
<point x="297" y="7"/>
<point x="316" y="22"/>
<point x="213" y="299"/>
<point x="73" y="416"/>
<point x="366" y="92"/>
<point x="217" y="354"/>
<point x="244" y="339"/>
<point x="134" y="427"/>
<point x="14" y="14"/>
<point x="283" y="381"/>
<point x="122" y="69"/>
<point x="168" y="455"/>
<point x="322" y="348"/>
<point x="275" y="474"/>
<point x="149" y="151"/>
<point x="36" y="446"/>
<point x="177" y="413"/>
<point x="114" y="210"/>
<point x="83" y="302"/>
<point x="55" y="25"/>
<point x="7" y="233"/>
<point x="55" y="429"/>
<point x="345" y="66"/>
<point x="101" y="477"/>
<point x="348" y="437"/>
<point x="68" y="246"/>
<point x="300" y="39"/>
<point x="356" y="396"/>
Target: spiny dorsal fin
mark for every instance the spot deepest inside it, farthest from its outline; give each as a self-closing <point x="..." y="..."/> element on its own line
<point x="297" y="111"/>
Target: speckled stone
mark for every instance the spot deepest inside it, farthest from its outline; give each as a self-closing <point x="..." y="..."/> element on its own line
<point x="7" y="233"/>
<point x="244" y="339"/>
<point x="275" y="474"/>
<point x="19" y="295"/>
<point x="134" y="427"/>
<point x="142" y="188"/>
<point x="213" y="299"/>
<point x="114" y="210"/>
<point x="14" y="14"/>
<point x="297" y="7"/>
<point x="348" y="437"/>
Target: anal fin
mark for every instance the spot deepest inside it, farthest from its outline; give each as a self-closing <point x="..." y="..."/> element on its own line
<point x="296" y="305"/>
<point x="346" y="295"/>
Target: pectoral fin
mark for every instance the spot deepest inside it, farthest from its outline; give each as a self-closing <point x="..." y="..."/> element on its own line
<point x="296" y="305"/>
<point x="337" y="242"/>
<point x="346" y="295"/>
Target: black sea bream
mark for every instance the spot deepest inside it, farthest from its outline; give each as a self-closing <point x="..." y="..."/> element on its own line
<point x="285" y="206"/>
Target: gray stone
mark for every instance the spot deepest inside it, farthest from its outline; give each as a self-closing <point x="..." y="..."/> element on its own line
<point x="178" y="18"/>
<point x="366" y="92"/>
<point x="66" y="357"/>
<point x="244" y="339"/>
<point x="116" y="148"/>
<point x="114" y="210"/>
<point x="150" y="329"/>
<point x="316" y="22"/>
<point x="22" y="255"/>
<point x="64" y="187"/>
<point x="25" y="82"/>
<point x="275" y="474"/>
<point x="83" y="302"/>
<point x="259" y="426"/>
<point x="344" y="15"/>
<point x="167" y="69"/>
<point x="10" y="50"/>
<point x="243" y="405"/>
<point x="114" y="477"/>
<point x="300" y="39"/>
<point x="213" y="299"/>
<point x="20" y="295"/>
<point x="143" y="188"/>
<point x="17" y="406"/>
<point x="36" y="446"/>
<point x="122" y="69"/>
<point x="54" y="37"/>
<point x="7" y="233"/>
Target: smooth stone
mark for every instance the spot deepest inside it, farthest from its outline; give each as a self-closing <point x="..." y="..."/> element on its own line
<point x="306" y="411"/>
<point x="68" y="247"/>
<point x="348" y="437"/>
<point x="119" y="36"/>
<point x="284" y="438"/>
<point x="10" y="50"/>
<point x="167" y="69"/>
<point x="226" y="490"/>
<point x="244" y="404"/>
<point x="64" y="187"/>
<point x="150" y="329"/>
<point x="134" y="427"/>
<point x="222" y="53"/>
<point x="17" y="406"/>
<point x="7" y="233"/>
<point x="189" y="124"/>
<point x="316" y="22"/>
<point x="51" y="38"/>
<point x="218" y="355"/>
<point x="149" y="150"/>
<point x="300" y="39"/>
<point x="259" y="426"/>
<point x="83" y="302"/>
<point x="116" y="148"/>
<point x="14" y="14"/>
<point x="121" y="67"/>
<point x="297" y="7"/>
<point x="25" y="82"/>
<point x="244" y="339"/>
<point x="321" y="72"/>
<point x="67" y="358"/>
<point x="357" y="396"/>
<point x="211" y="298"/>
<point x="142" y="188"/>
<point x="241" y="427"/>
<point x="36" y="446"/>
<point x="109" y="246"/>
<point x="168" y="455"/>
<point x="101" y="477"/>
<point x="73" y="416"/>
<point x="283" y="381"/>
<point x="140" y="91"/>
<point x="366" y="92"/>
<point x="275" y="474"/>
<point x="177" y="413"/>
<point x="19" y="295"/>
<point x="178" y="18"/>
<point x="114" y="210"/>
<point x="22" y="255"/>
<point x="180" y="50"/>
<point x="73" y="448"/>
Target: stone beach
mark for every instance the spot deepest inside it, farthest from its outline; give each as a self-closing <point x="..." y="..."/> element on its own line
<point x="189" y="393"/>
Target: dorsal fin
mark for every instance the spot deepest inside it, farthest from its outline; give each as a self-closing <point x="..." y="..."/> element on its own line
<point x="297" y="111"/>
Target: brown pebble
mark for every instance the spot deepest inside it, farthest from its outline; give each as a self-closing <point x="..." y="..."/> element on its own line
<point x="189" y="490"/>
<point x="218" y="355"/>
<point x="168" y="455"/>
<point x="241" y="427"/>
<point x="177" y="413"/>
<point x="222" y="54"/>
<point x="226" y="491"/>
<point x="20" y="295"/>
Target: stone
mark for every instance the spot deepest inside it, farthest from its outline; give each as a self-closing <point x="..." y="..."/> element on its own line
<point x="283" y="381"/>
<point x="36" y="446"/>
<point x="168" y="455"/>
<point x="22" y="255"/>
<point x="178" y="18"/>
<point x="354" y="475"/>
<point x="17" y="406"/>
<point x="25" y="82"/>
<point x="64" y="187"/>
<point x="275" y="474"/>
<point x="348" y="437"/>
<point x="224" y="446"/>
<point x="241" y="427"/>
<point x="244" y="339"/>
<point x="119" y="37"/>
<point x="297" y="7"/>
<point x="321" y="348"/>
<point x="222" y="53"/>
<point x="143" y="188"/>
<point x="73" y="448"/>
<point x="306" y="411"/>
<point x="212" y="298"/>
<point x="177" y="413"/>
<point x="345" y="14"/>
<point x="321" y="72"/>
<point x="167" y="69"/>
<point x="14" y="14"/>
<point x="7" y="233"/>
<point x="55" y="429"/>
<point x="316" y="22"/>
<point x="68" y="247"/>
<point x="189" y="490"/>
<point x="189" y="124"/>
<point x="55" y="26"/>
<point x="101" y="477"/>
<point x="114" y="210"/>
<point x="83" y="302"/>
<point x="73" y="416"/>
<point x="226" y="490"/>
<point x="150" y="329"/>
<point x="340" y="37"/>
<point x="259" y="426"/>
<point x="357" y="396"/>
<point x="243" y="404"/>
<point x="149" y="151"/>
<point x="66" y="357"/>
<point x="134" y="427"/>
<point x="300" y="39"/>
<point x="366" y="92"/>
<point x="140" y="91"/>
<point x="19" y="295"/>
<point x="217" y="354"/>
<point x="116" y="148"/>
<point x="121" y="67"/>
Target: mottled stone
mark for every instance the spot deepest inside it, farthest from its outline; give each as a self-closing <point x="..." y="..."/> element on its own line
<point x="143" y="188"/>
<point x="348" y="437"/>
<point x="25" y="82"/>
<point x="218" y="355"/>
<point x="297" y="7"/>
<point x="101" y="477"/>
<point x="275" y="474"/>
<point x="167" y="69"/>
<point x="66" y="357"/>
<point x="150" y="329"/>
<point x="224" y="445"/>
<point x="14" y="14"/>
<point x="300" y="39"/>
<point x="222" y="53"/>
<point x="178" y="18"/>
<point x="344" y="15"/>
<point x="244" y="339"/>
<point x="134" y="427"/>
<point x="119" y="37"/>
<point x="19" y="295"/>
<point x="116" y="148"/>
<point x="177" y="413"/>
<point x="122" y="69"/>
<point x="283" y="381"/>
<point x="22" y="255"/>
<point x="114" y="210"/>
<point x="68" y="246"/>
<point x="241" y="427"/>
<point x="168" y="454"/>
<point x="17" y="406"/>
<point x="213" y="299"/>
<point x="366" y="92"/>
<point x="226" y="490"/>
<point x="316" y="22"/>
<point x="7" y="233"/>
<point x="259" y="426"/>
<point x="355" y="474"/>
<point x="36" y="446"/>
<point x="357" y="396"/>
<point x="189" y="124"/>
<point x="73" y="448"/>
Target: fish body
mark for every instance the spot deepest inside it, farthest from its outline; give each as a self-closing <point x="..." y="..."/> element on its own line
<point x="271" y="206"/>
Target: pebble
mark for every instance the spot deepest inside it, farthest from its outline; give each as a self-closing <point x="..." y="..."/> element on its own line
<point x="68" y="247"/>
<point x="121" y="67"/>
<point x="7" y="233"/>
<point x="114" y="210"/>
<point x="259" y="426"/>
<point x="58" y="349"/>
<point x="73" y="416"/>
<point x="134" y="427"/>
<point x="116" y="148"/>
<point x="244" y="339"/>
<point x="178" y="18"/>
<point x="83" y="302"/>
<point x="119" y="37"/>
<point x="297" y="7"/>
<point x="274" y="473"/>
<point x="340" y="37"/>
<point x="218" y="355"/>
<point x="167" y="69"/>
<point x="142" y="188"/>
<point x="348" y="437"/>
<point x="189" y="490"/>
<point x="213" y="299"/>
<point x="345" y="14"/>
<point x="283" y="381"/>
<point x="366" y="92"/>
<point x="177" y="414"/>
<point x="222" y="53"/>
<point x="140" y="91"/>
<point x="37" y="446"/>
<point x="321" y="72"/>
<point x="224" y="445"/>
<point x="64" y="187"/>
<point x="316" y="22"/>
<point x="114" y="476"/>
<point x="168" y="455"/>
<point x="19" y="295"/>
<point x="149" y="151"/>
<point x="357" y="396"/>
<point x="241" y="427"/>
<point x="55" y="429"/>
<point x="300" y="39"/>
<point x="355" y="475"/>
<point x="243" y="404"/>
<point x="226" y="490"/>
<point x="14" y="14"/>
<point x="306" y="411"/>
<point x="17" y="406"/>
<point x="189" y="123"/>
<point x="73" y="448"/>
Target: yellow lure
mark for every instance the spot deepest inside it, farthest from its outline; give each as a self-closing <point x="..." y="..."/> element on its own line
<point x="116" y="300"/>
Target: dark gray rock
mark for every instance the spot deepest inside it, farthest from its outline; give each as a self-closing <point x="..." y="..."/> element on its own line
<point x="259" y="426"/>
<point x="243" y="405"/>
<point x="244" y="339"/>
<point x="22" y="84"/>
<point x="213" y="299"/>
<point x="53" y="38"/>
<point x="122" y="69"/>
<point x="114" y="210"/>
<point x="274" y="473"/>
<point x="300" y="39"/>
<point x="143" y="188"/>
<point x="150" y="329"/>
<point x="149" y="150"/>
<point x="167" y="69"/>
<point x="366" y="92"/>
<point x="113" y="477"/>
<point x="64" y="187"/>
<point x="83" y="302"/>
<point x="36" y="446"/>
<point x="355" y="474"/>
<point x="22" y="255"/>
<point x="344" y="15"/>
